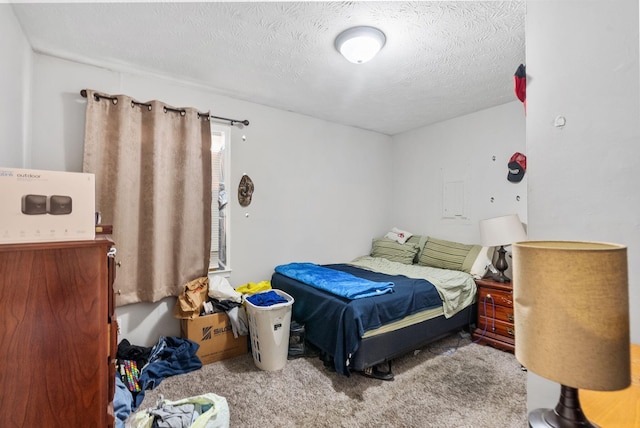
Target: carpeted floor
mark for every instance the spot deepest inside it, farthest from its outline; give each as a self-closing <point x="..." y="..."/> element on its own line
<point x="452" y="383"/>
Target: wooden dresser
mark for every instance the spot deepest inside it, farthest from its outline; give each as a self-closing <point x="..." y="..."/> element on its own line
<point x="495" y="315"/>
<point x="58" y="334"/>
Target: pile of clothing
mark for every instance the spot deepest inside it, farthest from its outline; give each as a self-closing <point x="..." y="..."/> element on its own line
<point x="204" y="296"/>
<point x="143" y="368"/>
<point x="140" y="368"/>
<point x="202" y="411"/>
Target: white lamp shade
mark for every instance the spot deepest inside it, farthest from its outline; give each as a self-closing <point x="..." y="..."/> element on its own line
<point x="360" y="44"/>
<point x="504" y="230"/>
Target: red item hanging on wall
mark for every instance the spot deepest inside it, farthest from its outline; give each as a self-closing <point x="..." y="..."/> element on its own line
<point x="520" y="80"/>
<point x="517" y="167"/>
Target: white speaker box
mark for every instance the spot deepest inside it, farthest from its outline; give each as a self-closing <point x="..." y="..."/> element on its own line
<point x="41" y="206"/>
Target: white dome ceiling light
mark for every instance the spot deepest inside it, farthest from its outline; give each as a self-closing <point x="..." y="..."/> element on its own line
<point x="360" y="44"/>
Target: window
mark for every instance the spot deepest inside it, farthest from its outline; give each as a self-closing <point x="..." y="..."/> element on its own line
<point x="220" y="161"/>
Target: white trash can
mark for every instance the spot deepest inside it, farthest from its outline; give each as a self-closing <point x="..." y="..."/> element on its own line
<point x="269" y="331"/>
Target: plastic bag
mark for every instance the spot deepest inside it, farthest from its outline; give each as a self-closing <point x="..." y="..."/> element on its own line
<point x="216" y="416"/>
<point x="220" y="289"/>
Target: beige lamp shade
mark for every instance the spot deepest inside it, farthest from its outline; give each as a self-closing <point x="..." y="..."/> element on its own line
<point x="571" y="310"/>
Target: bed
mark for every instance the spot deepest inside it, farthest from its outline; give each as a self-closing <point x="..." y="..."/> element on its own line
<point x="426" y="302"/>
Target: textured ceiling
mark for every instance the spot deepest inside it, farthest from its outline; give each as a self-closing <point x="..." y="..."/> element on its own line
<point x="441" y="59"/>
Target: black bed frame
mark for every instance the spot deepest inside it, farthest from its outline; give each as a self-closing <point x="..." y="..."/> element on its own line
<point x="387" y="346"/>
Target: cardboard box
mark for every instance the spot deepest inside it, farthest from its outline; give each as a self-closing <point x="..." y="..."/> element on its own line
<point x="215" y="336"/>
<point x="41" y="206"/>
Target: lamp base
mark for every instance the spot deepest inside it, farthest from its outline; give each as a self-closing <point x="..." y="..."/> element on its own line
<point x="500" y="277"/>
<point x="546" y="418"/>
<point x="567" y="413"/>
<point x="501" y="266"/>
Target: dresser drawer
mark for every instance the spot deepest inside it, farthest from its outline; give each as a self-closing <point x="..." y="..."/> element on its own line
<point x="501" y="313"/>
<point x="496" y="326"/>
<point x="501" y="298"/>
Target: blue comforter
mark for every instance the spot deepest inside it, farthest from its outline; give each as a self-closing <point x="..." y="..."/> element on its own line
<point x="334" y="281"/>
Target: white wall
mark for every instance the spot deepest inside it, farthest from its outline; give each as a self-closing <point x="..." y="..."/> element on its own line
<point x="318" y="185"/>
<point x="462" y="148"/>
<point x="582" y="63"/>
<point x="15" y="56"/>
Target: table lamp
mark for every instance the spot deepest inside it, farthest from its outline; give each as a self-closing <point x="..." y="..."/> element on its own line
<point x="498" y="232"/>
<point x="571" y="310"/>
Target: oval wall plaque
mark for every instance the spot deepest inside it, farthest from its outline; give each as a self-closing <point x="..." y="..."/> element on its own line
<point x="245" y="190"/>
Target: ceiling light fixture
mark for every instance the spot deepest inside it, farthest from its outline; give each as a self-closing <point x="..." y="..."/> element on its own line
<point x="360" y="44"/>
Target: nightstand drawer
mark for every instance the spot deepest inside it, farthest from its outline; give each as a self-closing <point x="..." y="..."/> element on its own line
<point x="501" y="313"/>
<point x="496" y="326"/>
<point x="501" y="298"/>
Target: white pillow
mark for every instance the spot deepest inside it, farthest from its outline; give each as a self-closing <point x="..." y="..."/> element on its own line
<point x="398" y="235"/>
<point x="482" y="262"/>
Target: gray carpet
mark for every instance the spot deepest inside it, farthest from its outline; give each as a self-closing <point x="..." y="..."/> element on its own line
<point x="451" y="383"/>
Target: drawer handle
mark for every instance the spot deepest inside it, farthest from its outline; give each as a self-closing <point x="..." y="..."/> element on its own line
<point x="507" y="301"/>
<point x="511" y="331"/>
<point x="510" y="317"/>
<point x="489" y="296"/>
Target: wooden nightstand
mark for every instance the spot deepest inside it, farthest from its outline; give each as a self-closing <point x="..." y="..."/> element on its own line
<point x="495" y="315"/>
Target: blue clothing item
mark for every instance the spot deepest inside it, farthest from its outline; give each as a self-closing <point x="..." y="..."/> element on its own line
<point x="122" y="402"/>
<point x="267" y="298"/>
<point x="336" y="282"/>
<point x="170" y="356"/>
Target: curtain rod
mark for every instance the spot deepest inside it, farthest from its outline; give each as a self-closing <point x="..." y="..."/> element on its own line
<point x="245" y="122"/>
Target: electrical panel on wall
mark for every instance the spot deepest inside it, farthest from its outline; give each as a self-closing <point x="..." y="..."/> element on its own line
<point x="455" y="195"/>
<point x="453" y="199"/>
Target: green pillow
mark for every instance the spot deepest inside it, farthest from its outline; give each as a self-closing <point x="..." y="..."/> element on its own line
<point x="449" y="255"/>
<point x="394" y="251"/>
<point x="418" y="240"/>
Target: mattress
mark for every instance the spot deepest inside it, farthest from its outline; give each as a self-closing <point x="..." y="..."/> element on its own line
<point x="405" y="322"/>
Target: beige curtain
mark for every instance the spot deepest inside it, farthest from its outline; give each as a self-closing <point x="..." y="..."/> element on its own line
<point x="152" y="165"/>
